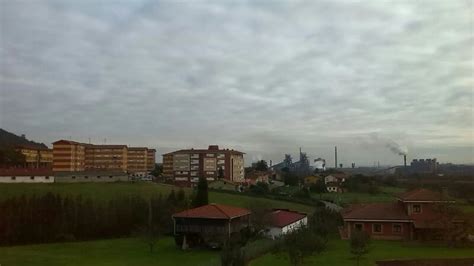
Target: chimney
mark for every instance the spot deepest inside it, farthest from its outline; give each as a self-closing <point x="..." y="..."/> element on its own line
<point x="405" y="161"/>
<point x="335" y="157"/>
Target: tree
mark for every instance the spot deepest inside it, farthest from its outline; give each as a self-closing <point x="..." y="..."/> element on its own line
<point x="158" y="170"/>
<point x="150" y="232"/>
<point x="290" y="179"/>
<point x="261" y="166"/>
<point x="319" y="186"/>
<point x="220" y="173"/>
<point x="259" y="219"/>
<point x="301" y="243"/>
<point x="359" y="244"/>
<point x="261" y="188"/>
<point x="202" y="197"/>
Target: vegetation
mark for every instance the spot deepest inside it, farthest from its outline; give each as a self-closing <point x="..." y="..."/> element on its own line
<point x="202" y="194"/>
<point x="117" y="252"/>
<point x="337" y="253"/>
<point x="359" y="244"/>
<point x="261" y="166"/>
<point x="54" y="218"/>
<point x="302" y="243"/>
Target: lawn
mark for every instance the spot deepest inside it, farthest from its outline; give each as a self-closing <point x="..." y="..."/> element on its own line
<point x="338" y="253"/>
<point x="106" y="191"/>
<point x="386" y="194"/>
<point x="127" y="251"/>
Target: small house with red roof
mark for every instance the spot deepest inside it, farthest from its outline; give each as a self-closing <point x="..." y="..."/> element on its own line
<point x="417" y="214"/>
<point x="26" y="175"/>
<point x="283" y="221"/>
<point x="209" y="225"/>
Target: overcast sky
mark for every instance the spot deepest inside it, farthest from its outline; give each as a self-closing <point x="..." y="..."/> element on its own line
<point x="263" y="77"/>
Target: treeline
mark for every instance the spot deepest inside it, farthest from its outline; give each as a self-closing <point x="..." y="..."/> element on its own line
<point x="53" y="218"/>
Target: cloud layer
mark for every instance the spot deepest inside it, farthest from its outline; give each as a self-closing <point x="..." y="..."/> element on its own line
<point x="265" y="77"/>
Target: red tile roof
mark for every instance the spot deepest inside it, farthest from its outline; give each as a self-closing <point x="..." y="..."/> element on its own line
<point x="205" y="151"/>
<point x="422" y="195"/>
<point x="213" y="211"/>
<point x="282" y="218"/>
<point x="376" y="211"/>
<point x="67" y="142"/>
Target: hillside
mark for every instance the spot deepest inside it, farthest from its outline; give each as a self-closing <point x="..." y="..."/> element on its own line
<point x="8" y="139"/>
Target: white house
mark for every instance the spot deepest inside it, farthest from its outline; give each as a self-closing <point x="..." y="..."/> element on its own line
<point x="26" y="175"/>
<point x="283" y="221"/>
<point x="333" y="182"/>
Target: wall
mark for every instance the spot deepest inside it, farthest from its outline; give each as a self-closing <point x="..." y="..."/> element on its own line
<point x="90" y="177"/>
<point x="387" y="228"/>
<point x="27" y="179"/>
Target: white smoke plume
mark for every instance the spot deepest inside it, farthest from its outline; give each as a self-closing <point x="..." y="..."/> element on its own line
<point x="396" y="148"/>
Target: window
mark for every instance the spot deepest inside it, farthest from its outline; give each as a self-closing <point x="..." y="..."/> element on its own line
<point x="74" y="177"/>
<point x="84" y="177"/>
<point x="98" y="176"/>
<point x="416" y="208"/>
<point x="13" y="177"/>
<point x="358" y="227"/>
<point x="377" y="228"/>
<point x="32" y="177"/>
<point x="397" y="228"/>
<point x="47" y="177"/>
<point x="110" y="176"/>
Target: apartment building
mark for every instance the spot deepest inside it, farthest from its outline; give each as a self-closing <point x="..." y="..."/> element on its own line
<point x="68" y="156"/>
<point x="137" y="161"/>
<point x="106" y="157"/>
<point x="36" y="157"/>
<point x="71" y="156"/>
<point x="185" y="167"/>
<point x="150" y="160"/>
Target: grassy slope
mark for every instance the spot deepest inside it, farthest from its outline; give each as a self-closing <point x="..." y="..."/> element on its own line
<point x="114" y="252"/>
<point x="387" y="194"/>
<point x="105" y="191"/>
<point x="338" y="254"/>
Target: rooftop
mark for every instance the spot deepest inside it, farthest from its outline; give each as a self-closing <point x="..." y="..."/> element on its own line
<point x="26" y="172"/>
<point x="213" y="211"/>
<point x="282" y="217"/>
<point x="376" y="211"/>
<point x="211" y="149"/>
<point x="422" y="194"/>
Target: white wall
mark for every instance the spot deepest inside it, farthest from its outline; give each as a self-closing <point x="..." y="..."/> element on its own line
<point x="26" y="179"/>
<point x="275" y="232"/>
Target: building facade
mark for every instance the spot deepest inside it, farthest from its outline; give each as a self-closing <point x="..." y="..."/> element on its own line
<point x="68" y="156"/>
<point x="416" y="215"/>
<point x="71" y="156"/>
<point x="185" y="167"/>
<point x="138" y="161"/>
<point x="36" y="157"/>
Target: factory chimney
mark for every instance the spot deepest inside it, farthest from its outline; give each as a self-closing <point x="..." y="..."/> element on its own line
<point x="405" y="161"/>
<point x="335" y="157"/>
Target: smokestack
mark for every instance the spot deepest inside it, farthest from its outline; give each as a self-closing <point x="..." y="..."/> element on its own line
<point x="335" y="157"/>
<point x="405" y="160"/>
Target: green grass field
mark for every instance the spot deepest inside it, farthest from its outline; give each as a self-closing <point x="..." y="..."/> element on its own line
<point x="386" y="194"/>
<point x="106" y="191"/>
<point x="126" y="252"/>
<point x="338" y="253"/>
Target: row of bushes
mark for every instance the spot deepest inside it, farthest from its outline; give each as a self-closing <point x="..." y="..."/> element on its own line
<point x="51" y="218"/>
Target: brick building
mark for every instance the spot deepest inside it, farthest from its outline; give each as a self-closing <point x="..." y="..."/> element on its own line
<point x="71" y="156"/>
<point x="36" y="156"/>
<point x="185" y="167"/>
<point x="416" y="215"/>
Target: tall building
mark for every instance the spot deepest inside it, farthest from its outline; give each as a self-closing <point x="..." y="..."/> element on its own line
<point x="137" y="161"/>
<point x="36" y="156"/>
<point x="71" y="156"/>
<point x="68" y="156"/>
<point x="185" y="167"/>
<point x="150" y="159"/>
<point x="106" y="157"/>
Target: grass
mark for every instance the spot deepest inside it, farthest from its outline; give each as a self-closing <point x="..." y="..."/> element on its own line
<point x="116" y="252"/>
<point x="107" y="191"/>
<point x="338" y="253"/>
<point x="387" y="194"/>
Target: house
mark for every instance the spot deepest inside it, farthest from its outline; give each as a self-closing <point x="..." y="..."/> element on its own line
<point x="283" y="221"/>
<point x="334" y="182"/>
<point x="311" y="180"/>
<point x="26" y="175"/>
<point x="415" y="215"/>
<point x="208" y="225"/>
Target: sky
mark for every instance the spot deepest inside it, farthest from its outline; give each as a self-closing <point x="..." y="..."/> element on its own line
<point x="263" y="77"/>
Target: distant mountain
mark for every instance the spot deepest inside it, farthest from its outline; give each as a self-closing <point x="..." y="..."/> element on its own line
<point x="8" y="139"/>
